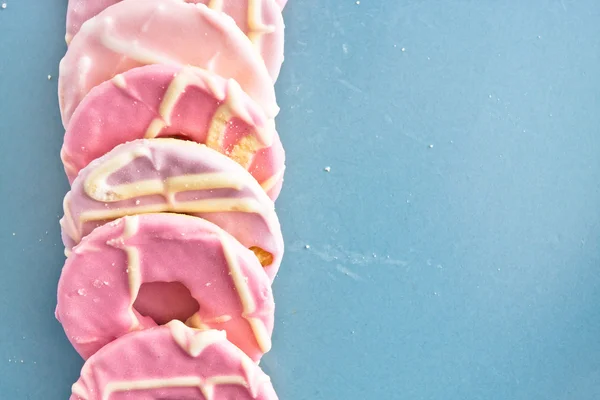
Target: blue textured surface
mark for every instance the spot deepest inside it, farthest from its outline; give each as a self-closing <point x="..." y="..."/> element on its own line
<point x="465" y="270"/>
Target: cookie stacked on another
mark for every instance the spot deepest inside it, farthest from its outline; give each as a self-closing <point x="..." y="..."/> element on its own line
<point x="170" y="227"/>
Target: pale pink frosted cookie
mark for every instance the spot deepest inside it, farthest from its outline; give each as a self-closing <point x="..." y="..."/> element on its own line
<point x="282" y="3"/>
<point x="172" y="362"/>
<point x="160" y="100"/>
<point x="99" y="296"/>
<point x="260" y="20"/>
<point x="133" y="33"/>
<point x="169" y="175"/>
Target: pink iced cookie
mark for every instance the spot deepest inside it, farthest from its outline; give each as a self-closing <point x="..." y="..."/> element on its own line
<point x="260" y="20"/>
<point x="282" y="3"/>
<point x="169" y="175"/>
<point x="172" y="362"/>
<point x="160" y="100"/>
<point x="133" y="33"/>
<point x="101" y="281"/>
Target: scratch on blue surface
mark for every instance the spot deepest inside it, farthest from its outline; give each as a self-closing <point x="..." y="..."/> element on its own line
<point x="350" y="86"/>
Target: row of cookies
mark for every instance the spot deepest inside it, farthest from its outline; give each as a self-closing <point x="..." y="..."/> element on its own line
<point x="170" y="230"/>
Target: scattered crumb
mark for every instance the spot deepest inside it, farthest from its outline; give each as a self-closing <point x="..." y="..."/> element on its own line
<point x="307" y="246"/>
<point x="403" y="49"/>
<point x="431" y="146"/>
<point x="49" y="77"/>
<point x="4" y="5"/>
<point x="358" y="2"/>
<point x="327" y="169"/>
<point x="14" y="234"/>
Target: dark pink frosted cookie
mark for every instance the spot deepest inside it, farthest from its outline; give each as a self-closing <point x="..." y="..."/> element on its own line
<point x="172" y="362"/>
<point x="162" y="101"/>
<point x="220" y="283"/>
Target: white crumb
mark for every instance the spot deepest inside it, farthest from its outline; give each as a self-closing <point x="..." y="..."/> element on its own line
<point x="327" y="169"/>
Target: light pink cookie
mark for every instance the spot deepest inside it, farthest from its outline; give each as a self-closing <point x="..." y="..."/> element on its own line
<point x="260" y="20"/>
<point x="133" y="33"/>
<point x="102" y="277"/>
<point x="162" y="101"/>
<point x="172" y="362"/>
<point x="169" y="175"/>
<point x="282" y="3"/>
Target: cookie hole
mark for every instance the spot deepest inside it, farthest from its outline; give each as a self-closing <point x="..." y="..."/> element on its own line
<point x="179" y="136"/>
<point x="263" y="256"/>
<point x="165" y="301"/>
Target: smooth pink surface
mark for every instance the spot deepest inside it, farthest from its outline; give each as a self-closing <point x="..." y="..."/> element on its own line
<point x="175" y="158"/>
<point x="133" y="33"/>
<point x="268" y="32"/>
<point x="110" y="115"/>
<point x="282" y="3"/>
<point x="94" y="293"/>
<point x="154" y="354"/>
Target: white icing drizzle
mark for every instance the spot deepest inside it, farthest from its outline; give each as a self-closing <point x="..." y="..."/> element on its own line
<point x="272" y="181"/>
<point x="216" y="5"/>
<point x="134" y="273"/>
<point x="67" y="223"/>
<point x="131" y="48"/>
<point x="257" y="325"/>
<point x="206" y="386"/>
<point x="246" y="205"/>
<point x="119" y="81"/>
<point x="255" y="24"/>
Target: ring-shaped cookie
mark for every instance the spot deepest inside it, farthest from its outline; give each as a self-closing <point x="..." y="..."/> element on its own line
<point x="170" y="175"/>
<point x="161" y="101"/>
<point x="172" y="362"/>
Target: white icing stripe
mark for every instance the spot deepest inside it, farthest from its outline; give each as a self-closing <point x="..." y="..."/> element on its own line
<point x="119" y="81"/>
<point x="255" y="24"/>
<point x="261" y="334"/>
<point x="96" y="184"/>
<point x="205" y="386"/>
<point x="272" y="181"/>
<point x="216" y="5"/>
<point x="67" y="223"/>
<point x="131" y="49"/>
<point x="155" y="127"/>
<point x="245" y="205"/>
<point x="134" y="273"/>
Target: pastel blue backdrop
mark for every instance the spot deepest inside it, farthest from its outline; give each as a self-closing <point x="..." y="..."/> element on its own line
<point x="453" y="250"/>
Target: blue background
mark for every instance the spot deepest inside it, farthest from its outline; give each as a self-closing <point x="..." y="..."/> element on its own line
<point x="455" y="244"/>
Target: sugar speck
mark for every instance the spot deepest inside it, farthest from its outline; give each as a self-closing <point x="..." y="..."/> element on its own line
<point x="403" y="49"/>
<point x="98" y="284"/>
<point x="431" y="146"/>
<point x="327" y="169"/>
<point x="49" y="77"/>
<point x="81" y="292"/>
<point x="307" y="246"/>
<point x="137" y="202"/>
<point x="4" y="5"/>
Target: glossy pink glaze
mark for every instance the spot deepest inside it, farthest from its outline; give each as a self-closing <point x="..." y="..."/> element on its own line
<point x="112" y="114"/>
<point x="95" y="303"/>
<point x="153" y="356"/>
<point x="160" y="160"/>
<point x="266" y="29"/>
<point x="133" y="33"/>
